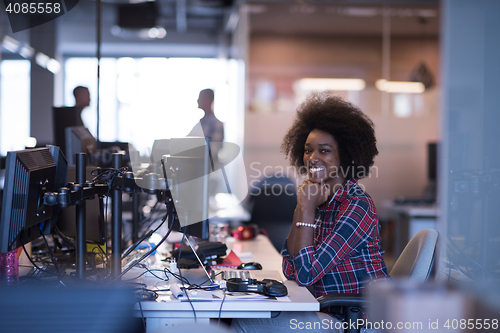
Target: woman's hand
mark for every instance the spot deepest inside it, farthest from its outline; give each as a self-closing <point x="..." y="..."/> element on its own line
<point x="310" y="195"/>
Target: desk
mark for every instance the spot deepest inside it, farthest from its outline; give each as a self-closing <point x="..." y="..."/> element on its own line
<point x="409" y="220"/>
<point x="160" y="314"/>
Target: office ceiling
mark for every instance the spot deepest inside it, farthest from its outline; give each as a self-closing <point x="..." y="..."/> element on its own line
<point x="344" y="17"/>
<point x="195" y="27"/>
<point x="286" y="16"/>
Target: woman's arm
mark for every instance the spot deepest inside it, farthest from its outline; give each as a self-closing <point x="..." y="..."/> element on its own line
<point x="353" y="229"/>
<point x="309" y="196"/>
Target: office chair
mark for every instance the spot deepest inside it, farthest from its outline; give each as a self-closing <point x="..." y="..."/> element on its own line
<point x="271" y="205"/>
<point x="415" y="263"/>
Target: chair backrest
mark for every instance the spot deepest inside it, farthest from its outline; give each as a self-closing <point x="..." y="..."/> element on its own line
<point x="272" y="203"/>
<point x="416" y="260"/>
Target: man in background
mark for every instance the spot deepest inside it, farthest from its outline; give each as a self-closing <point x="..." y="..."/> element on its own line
<point x="212" y="127"/>
<point x="69" y="116"/>
<point x="82" y="99"/>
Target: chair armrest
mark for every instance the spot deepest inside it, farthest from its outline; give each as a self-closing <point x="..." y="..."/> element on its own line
<point x="342" y="299"/>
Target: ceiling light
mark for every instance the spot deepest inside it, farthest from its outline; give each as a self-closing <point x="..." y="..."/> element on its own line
<point x="10" y="44"/>
<point x="131" y="34"/>
<point x="42" y="59"/>
<point x="53" y="65"/>
<point x="404" y="87"/>
<point x="157" y="33"/>
<point x="331" y="84"/>
<point x="26" y="51"/>
<point x="30" y="142"/>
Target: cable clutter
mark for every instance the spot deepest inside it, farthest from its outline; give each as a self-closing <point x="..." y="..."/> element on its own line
<point x="109" y="268"/>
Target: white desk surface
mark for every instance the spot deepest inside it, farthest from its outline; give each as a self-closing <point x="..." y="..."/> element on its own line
<point x="298" y="299"/>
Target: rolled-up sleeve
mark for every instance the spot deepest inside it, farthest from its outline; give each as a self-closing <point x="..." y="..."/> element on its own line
<point x="287" y="265"/>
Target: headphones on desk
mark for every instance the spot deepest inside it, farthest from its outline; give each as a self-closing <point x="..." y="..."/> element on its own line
<point x="266" y="287"/>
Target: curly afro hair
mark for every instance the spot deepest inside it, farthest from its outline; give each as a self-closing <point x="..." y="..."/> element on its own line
<point x="350" y="127"/>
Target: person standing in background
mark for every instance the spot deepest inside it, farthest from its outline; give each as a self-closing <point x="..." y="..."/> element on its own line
<point x="212" y="127"/>
<point x="69" y="116"/>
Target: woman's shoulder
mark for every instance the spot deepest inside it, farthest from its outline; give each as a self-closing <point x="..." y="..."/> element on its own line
<point x="355" y="195"/>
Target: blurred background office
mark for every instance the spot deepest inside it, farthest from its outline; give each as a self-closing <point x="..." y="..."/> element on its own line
<point x="262" y="58"/>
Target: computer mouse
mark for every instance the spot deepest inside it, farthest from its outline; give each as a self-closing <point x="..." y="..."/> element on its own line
<point x="250" y="265"/>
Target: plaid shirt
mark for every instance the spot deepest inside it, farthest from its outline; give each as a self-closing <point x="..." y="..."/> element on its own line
<point x="346" y="252"/>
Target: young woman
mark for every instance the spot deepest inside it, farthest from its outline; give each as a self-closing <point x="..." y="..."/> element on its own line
<point x="334" y="241"/>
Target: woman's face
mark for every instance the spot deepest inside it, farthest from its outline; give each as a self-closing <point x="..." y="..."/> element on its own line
<point x="321" y="157"/>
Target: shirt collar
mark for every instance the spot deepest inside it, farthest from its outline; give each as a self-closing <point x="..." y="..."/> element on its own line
<point x="342" y="194"/>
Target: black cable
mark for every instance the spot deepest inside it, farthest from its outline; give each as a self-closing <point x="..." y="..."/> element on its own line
<point x="207" y="280"/>
<point x="21" y="236"/>
<point x="146" y="219"/>
<point x="151" y="216"/>
<point x="179" y="277"/>
<point x="35" y="265"/>
<point x="142" y="316"/>
<point x="64" y="238"/>
<point x="147" y="235"/>
<point x="53" y="259"/>
<point x="150" y="224"/>
<point x="107" y="175"/>
<point x="220" y="309"/>
<point x="132" y="247"/>
<point x="144" y="256"/>
<point x="180" y="273"/>
<point x="147" y="270"/>
<point x="190" y="303"/>
<point x="99" y="253"/>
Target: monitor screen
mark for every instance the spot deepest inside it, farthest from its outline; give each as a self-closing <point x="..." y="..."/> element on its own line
<point x="64" y="117"/>
<point x="61" y="175"/>
<point x="432" y="158"/>
<point x="79" y="140"/>
<point x="29" y="174"/>
<point x="187" y="168"/>
<point x="160" y="147"/>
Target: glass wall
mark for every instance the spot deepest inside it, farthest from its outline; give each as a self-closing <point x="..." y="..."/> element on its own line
<point x="14" y="105"/>
<point x="143" y="99"/>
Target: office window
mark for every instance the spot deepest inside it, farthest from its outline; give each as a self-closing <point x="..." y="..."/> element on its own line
<point x="143" y="99"/>
<point x="14" y="104"/>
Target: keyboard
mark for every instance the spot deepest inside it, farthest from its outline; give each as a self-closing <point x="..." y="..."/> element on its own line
<point x="240" y="274"/>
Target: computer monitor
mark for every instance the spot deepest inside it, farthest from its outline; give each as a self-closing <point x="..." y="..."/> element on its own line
<point x="187" y="168"/>
<point x="63" y="117"/>
<point x="79" y="140"/>
<point x="432" y="161"/>
<point x="104" y="154"/>
<point x="430" y="191"/>
<point x="29" y="174"/>
<point x="160" y="147"/>
<point x="61" y="181"/>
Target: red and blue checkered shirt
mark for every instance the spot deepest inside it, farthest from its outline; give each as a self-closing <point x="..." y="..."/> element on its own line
<point x="346" y="254"/>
